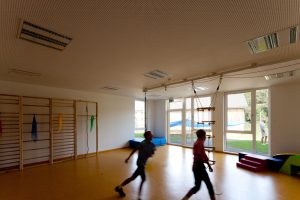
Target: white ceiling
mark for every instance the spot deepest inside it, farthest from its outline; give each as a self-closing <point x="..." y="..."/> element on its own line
<point x="116" y="42"/>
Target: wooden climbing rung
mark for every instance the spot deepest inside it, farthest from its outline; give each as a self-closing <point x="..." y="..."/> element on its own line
<point x="206" y="108"/>
<point x="210" y="136"/>
<point x="212" y="162"/>
<point x="209" y="122"/>
<point x="210" y="149"/>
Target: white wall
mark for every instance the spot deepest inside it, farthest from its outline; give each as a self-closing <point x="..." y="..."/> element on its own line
<point x="157" y="121"/>
<point x="150" y="115"/>
<point x="116" y="113"/>
<point x="160" y="118"/>
<point x="285" y="120"/>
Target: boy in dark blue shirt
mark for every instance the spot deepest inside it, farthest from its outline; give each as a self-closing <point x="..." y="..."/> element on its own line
<point x="146" y="150"/>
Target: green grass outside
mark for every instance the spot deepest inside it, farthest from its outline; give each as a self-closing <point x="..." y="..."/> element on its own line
<point x="139" y="135"/>
<point x="246" y="145"/>
<point x="236" y="145"/>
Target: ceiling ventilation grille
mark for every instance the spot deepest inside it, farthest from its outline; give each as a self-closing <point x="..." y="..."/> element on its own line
<point x="277" y="39"/>
<point x="23" y="72"/>
<point x="279" y="75"/>
<point x="263" y="43"/>
<point x="293" y="35"/>
<point x="43" y="36"/>
<point x="156" y="74"/>
<point x="111" y="88"/>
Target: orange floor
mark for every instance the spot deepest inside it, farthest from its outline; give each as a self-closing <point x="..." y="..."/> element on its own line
<point x="169" y="177"/>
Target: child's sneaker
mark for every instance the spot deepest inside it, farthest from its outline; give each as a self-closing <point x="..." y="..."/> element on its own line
<point x="120" y="191"/>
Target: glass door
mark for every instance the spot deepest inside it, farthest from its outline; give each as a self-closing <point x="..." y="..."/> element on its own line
<point x="243" y="113"/>
<point x="239" y="136"/>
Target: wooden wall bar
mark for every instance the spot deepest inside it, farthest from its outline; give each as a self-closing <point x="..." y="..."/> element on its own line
<point x="36" y="150"/>
<point x="58" y="130"/>
<point x="63" y="127"/>
<point x="10" y="132"/>
<point x="88" y="135"/>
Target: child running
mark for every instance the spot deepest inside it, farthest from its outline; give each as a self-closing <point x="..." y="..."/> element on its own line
<point x="146" y="150"/>
<point x="199" y="171"/>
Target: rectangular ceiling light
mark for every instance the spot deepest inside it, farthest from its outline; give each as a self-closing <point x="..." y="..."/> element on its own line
<point x="156" y="74"/>
<point x="263" y="43"/>
<point x="43" y="36"/>
<point x="201" y="88"/>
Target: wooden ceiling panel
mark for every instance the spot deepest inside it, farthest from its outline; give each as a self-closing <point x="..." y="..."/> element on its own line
<point x="116" y="42"/>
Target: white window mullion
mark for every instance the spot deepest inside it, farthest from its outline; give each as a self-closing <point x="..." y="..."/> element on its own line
<point x="183" y="128"/>
<point x="225" y="122"/>
<point x="253" y="118"/>
<point x="192" y="120"/>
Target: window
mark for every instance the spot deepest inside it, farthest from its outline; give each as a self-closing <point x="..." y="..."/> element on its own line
<point x="139" y="119"/>
<point x="183" y="119"/>
<point x="175" y="121"/>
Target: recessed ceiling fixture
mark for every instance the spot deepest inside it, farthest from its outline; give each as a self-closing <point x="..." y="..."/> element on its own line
<point x="111" y="88"/>
<point x="263" y="43"/>
<point x="153" y="95"/>
<point x="43" y="36"/>
<point x="201" y="88"/>
<point x="156" y="74"/>
<point x="23" y="72"/>
<point x="273" y="40"/>
<point x="279" y="75"/>
<point x="293" y="34"/>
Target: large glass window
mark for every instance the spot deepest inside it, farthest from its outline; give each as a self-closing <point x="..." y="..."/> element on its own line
<point x="184" y="120"/>
<point x="239" y="112"/>
<point x="201" y="118"/>
<point x="204" y="115"/>
<point x="175" y="129"/>
<point x="139" y="119"/>
<point x="189" y="135"/>
<point x="176" y="104"/>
